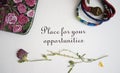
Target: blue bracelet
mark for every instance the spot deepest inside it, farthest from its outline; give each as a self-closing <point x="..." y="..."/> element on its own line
<point x="83" y="21"/>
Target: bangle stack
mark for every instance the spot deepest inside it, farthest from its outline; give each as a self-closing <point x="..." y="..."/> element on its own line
<point x="108" y="12"/>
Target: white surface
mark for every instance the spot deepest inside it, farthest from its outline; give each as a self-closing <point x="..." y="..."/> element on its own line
<point x="100" y="40"/>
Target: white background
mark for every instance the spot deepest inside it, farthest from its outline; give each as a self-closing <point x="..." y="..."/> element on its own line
<point x="100" y="40"/>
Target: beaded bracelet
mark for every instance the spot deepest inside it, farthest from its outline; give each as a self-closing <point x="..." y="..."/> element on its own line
<point x="83" y="21"/>
<point x="109" y="10"/>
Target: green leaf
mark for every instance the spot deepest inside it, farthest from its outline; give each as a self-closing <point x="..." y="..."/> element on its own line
<point x="1" y="16"/>
<point x="44" y="56"/>
<point x="71" y="63"/>
<point x="6" y="28"/>
<point x="28" y="8"/>
<point x="11" y="2"/>
<point x="26" y="26"/>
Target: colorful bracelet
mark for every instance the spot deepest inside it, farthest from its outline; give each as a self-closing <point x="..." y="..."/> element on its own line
<point x="83" y="21"/>
<point x="109" y="10"/>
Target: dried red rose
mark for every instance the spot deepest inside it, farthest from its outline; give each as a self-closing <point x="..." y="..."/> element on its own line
<point x="21" y="54"/>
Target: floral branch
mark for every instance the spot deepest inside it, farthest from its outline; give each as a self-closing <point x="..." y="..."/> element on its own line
<point x="22" y="55"/>
<point x="77" y="58"/>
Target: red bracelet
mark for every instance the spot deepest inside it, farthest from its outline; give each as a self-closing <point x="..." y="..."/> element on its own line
<point x="109" y="10"/>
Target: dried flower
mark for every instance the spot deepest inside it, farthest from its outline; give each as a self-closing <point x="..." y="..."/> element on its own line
<point x="101" y="64"/>
<point x="22" y="55"/>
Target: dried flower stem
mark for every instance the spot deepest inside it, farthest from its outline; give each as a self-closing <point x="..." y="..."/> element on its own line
<point x="76" y="57"/>
<point x="81" y="58"/>
<point x="59" y="54"/>
<point x="39" y="60"/>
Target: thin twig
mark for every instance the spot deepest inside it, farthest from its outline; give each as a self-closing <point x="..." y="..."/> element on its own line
<point x="39" y="60"/>
<point x="59" y="54"/>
